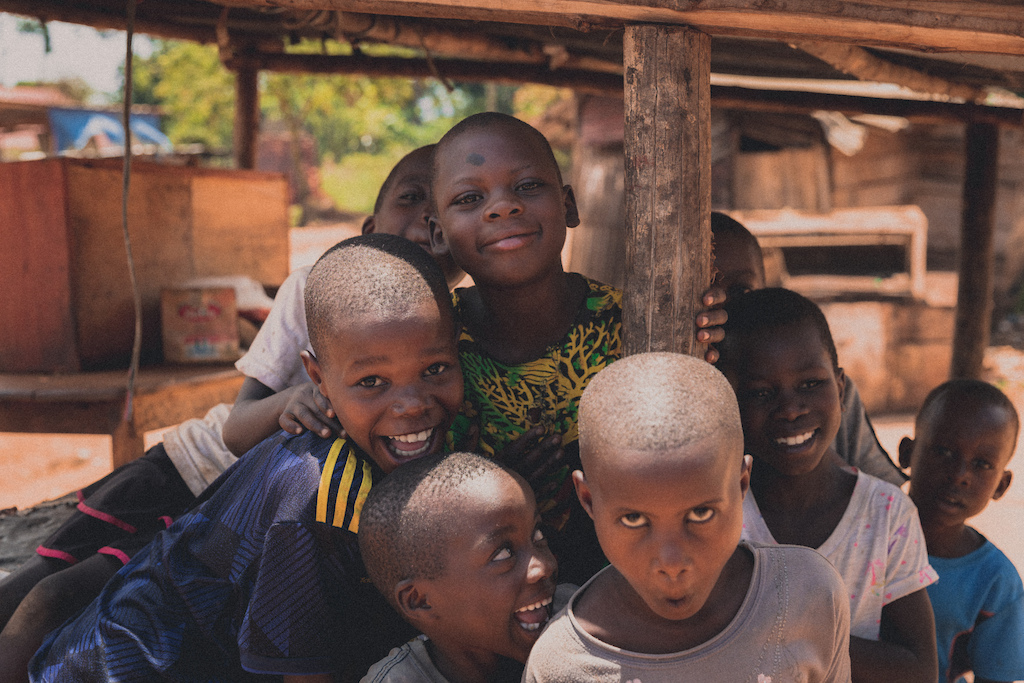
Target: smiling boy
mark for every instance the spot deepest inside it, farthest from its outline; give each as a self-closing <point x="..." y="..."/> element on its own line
<point x="265" y="577"/>
<point x="455" y="545"/>
<point x="664" y="476"/>
<point x="964" y="437"/>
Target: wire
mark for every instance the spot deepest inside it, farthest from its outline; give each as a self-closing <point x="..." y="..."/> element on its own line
<point x="133" y="368"/>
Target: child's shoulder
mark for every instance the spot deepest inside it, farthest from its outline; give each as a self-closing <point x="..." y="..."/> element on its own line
<point x="796" y="565"/>
<point x="408" y="663"/>
<point x="987" y="562"/>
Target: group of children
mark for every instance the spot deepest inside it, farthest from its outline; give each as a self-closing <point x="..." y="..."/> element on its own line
<point x="711" y="515"/>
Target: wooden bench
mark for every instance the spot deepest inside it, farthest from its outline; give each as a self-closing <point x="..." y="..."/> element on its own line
<point x="94" y="402"/>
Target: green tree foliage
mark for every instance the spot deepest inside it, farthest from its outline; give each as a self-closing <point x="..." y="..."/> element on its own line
<point x="195" y="92"/>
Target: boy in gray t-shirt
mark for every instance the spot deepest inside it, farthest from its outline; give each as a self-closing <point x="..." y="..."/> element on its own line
<point x="664" y="479"/>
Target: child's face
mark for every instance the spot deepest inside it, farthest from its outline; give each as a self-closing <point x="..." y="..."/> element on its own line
<point x="501" y="210"/>
<point x="499" y="579"/>
<point x="958" y="460"/>
<point x="790" y="397"/>
<point x="395" y="384"/>
<point x="406" y="207"/>
<point x="668" y="522"/>
<point x="738" y="267"/>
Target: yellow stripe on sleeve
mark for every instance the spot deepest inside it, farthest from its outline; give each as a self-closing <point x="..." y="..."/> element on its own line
<point x="325" y="480"/>
<point x="344" y="489"/>
<point x="364" y="490"/>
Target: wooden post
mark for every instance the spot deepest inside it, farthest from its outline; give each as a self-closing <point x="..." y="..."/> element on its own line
<point x="668" y="186"/>
<point x="247" y="116"/>
<point x="974" y="296"/>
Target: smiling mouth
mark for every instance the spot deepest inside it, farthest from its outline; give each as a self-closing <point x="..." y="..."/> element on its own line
<point x="409" y="445"/>
<point x="512" y="241"/>
<point x="795" y="440"/>
<point x="532" y="617"/>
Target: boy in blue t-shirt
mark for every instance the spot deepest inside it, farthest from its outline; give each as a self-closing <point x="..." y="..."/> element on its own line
<point x="265" y="576"/>
<point x="965" y="435"/>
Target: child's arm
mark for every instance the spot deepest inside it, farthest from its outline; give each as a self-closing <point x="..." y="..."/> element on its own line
<point x="906" y="651"/>
<point x="259" y="412"/>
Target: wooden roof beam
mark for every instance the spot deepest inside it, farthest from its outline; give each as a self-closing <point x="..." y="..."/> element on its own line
<point x="926" y="25"/>
<point x="725" y="97"/>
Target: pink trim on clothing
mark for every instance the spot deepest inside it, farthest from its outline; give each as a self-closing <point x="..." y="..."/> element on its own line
<point x="104" y="517"/>
<point x="167" y="521"/>
<point x="107" y="550"/>
<point x="56" y="554"/>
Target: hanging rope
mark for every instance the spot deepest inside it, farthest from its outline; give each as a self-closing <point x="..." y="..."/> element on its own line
<point x="133" y="368"/>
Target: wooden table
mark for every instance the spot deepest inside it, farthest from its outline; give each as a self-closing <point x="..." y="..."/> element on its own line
<point x="94" y="402"/>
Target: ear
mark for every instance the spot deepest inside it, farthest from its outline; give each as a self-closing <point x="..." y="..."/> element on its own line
<point x="369" y="224"/>
<point x="906" y="449"/>
<point x="841" y="383"/>
<point x="748" y="463"/>
<point x="315" y="371"/>
<point x="572" y="213"/>
<point x="413" y="601"/>
<point x="1004" y="483"/>
<point x="437" y="243"/>
<point x="579" y="480"/>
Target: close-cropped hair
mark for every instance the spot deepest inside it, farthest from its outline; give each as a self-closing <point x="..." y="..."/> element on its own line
<point x="491" y="120"/>
<point x="973" y="391"/>
<point x="773" y="308"/>
<point x="376" y="274"/>
<point x="653" y="402"/>
<point x="723" y="224"/>
<point x="405" y="521"/>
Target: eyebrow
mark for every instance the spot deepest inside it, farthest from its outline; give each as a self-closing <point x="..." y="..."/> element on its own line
<point x="373" y="360"/>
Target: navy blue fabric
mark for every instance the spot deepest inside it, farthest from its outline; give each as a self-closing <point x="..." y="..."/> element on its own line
<point x="247" y="583"/>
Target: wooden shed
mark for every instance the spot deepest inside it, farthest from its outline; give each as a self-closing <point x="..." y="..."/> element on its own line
<point x="961" y="59"/>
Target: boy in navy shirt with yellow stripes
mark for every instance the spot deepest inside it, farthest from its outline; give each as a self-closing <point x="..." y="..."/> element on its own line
<point x="265" y="576"/>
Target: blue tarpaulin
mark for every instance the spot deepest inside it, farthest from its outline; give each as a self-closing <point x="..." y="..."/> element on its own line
<point x="73" y="128"/>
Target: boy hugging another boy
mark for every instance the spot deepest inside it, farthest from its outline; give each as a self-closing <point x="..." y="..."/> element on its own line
<point x="664" y="476"/>
<point x="265" y="576"/>
<point x="455" y="545"/>
<point x="964" y="437"/>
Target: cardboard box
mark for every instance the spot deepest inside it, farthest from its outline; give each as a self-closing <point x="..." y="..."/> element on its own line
<point x="199" y="325"/>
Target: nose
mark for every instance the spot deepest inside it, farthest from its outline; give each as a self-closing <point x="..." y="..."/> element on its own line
<point x="672" y="557"/>
<point x="409" y="402"/>
<point x="961" y="472"/>
<point x="542" y="565"/>
<point x="504" y="205"/>
<point x="791" y="406"/>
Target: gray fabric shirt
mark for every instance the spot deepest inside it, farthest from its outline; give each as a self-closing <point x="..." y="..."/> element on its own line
<point x="857" y="444"/>
<point x="793" y="625"/>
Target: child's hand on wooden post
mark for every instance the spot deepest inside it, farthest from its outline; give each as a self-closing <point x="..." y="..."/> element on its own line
<point x="308" y="409"/>
<point x="709" y="321"/>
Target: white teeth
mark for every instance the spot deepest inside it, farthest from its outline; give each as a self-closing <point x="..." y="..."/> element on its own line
<point x="794" y="440"/>
<point x="536" y="605"/>
<point x="530" y="627"/>
<point x="414" y="438"/>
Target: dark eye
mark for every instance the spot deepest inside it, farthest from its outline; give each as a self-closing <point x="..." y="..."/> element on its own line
<point x="813" y="383"/>
<point x="371" y="382"/>
<point x="760" y="394"/>
<point x="700" y="515"/>
<point x="436" y="369"/>
<point x="633" y="520"/>
<point x="980" y="464"/>
<point x="465" y="199"/>
<point x="411" y="197"/>
<point x="504" y="553"/>
<point x="529" y="185"/>
<point x="943" y="453"/>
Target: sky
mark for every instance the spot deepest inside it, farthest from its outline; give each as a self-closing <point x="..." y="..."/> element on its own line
<point x="75" y="51"/>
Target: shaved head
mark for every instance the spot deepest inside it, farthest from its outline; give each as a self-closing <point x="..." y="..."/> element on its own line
<point x="375" y="276"/>
<point x="653" y="402"/>
<point x="407" y="518"/>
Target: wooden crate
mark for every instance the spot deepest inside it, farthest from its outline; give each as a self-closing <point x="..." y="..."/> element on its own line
<point x="67" y="301"/>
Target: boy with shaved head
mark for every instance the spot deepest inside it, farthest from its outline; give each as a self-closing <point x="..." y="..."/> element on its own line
<point x="663" y="478"/>
<point x="455" y="544"/>
<point x="265" y="576"/>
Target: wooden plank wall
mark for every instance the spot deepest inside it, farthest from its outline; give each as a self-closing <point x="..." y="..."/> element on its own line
<point x="38" y="331"/>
